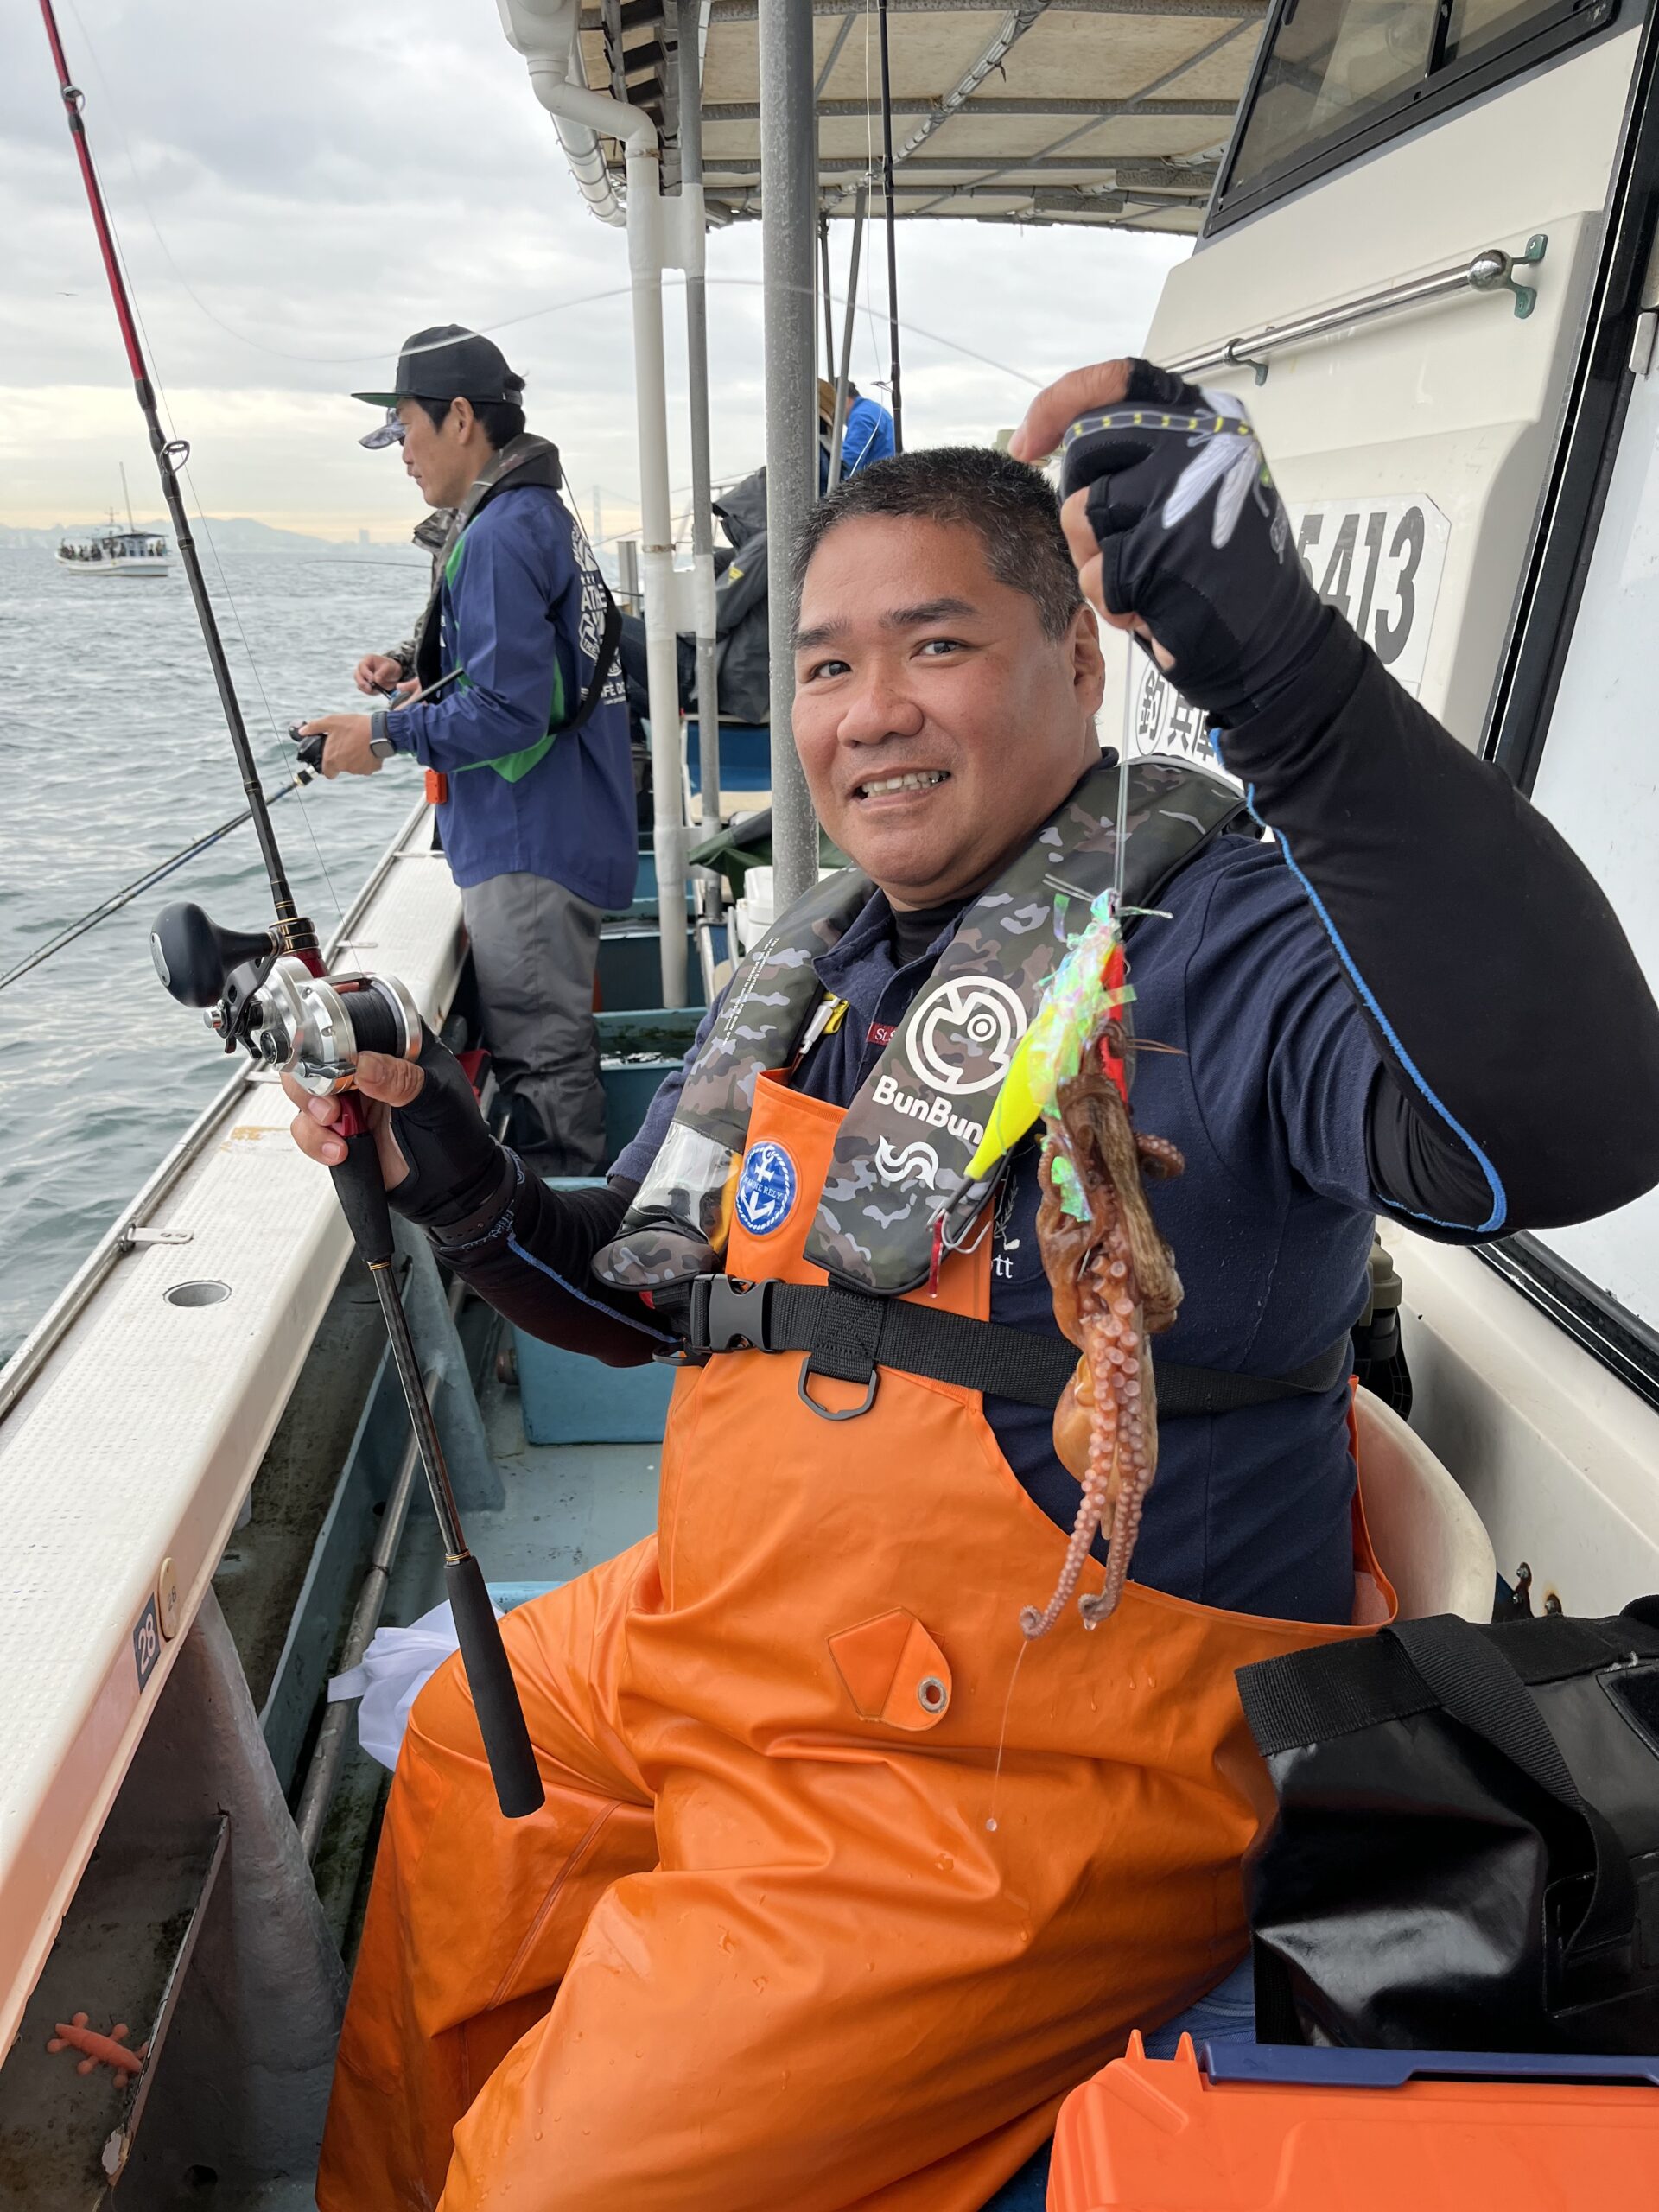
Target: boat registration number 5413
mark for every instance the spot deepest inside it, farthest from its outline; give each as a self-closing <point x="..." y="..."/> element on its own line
<point x="1378" y="561"/>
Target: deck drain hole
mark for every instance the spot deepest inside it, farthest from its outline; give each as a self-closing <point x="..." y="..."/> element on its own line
<point x="206" y="1292"/>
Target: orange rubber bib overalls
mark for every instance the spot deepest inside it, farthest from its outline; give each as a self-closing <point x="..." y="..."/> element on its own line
<point x="781" y="1935"/>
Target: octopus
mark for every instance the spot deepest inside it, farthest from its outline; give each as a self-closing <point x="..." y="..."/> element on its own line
<point x="1115" y="1286"/>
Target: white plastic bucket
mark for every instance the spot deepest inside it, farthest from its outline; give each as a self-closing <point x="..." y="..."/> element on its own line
<point x="1430" y="1543"/>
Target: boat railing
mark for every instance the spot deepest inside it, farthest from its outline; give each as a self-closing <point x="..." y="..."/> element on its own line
<point x="127" y="1233"/>
<point x="1492" y="271"/>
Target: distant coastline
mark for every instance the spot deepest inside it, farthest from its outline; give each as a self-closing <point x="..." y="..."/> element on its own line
<point x="230" y="534"/>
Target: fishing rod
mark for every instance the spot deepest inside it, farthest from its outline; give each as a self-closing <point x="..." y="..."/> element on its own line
<point x="269" y="993"/>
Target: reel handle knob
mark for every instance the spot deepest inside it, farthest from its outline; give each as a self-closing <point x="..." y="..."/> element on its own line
<point x="194" y="955"/>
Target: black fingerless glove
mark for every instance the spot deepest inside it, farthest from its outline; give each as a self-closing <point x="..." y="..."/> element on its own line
<point x="459" y="1176"/>
<point x="1195" y="540"/>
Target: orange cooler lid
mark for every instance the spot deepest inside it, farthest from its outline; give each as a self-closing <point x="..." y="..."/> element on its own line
<point x="1160" y="2135"/>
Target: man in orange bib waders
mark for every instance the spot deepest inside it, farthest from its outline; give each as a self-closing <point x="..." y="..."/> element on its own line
<point x="840" y="1884"/>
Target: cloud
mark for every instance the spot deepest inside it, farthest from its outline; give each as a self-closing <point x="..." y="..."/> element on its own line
<point x="296" y="189"/>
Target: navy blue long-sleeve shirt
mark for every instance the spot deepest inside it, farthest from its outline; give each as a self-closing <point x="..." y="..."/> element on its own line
<point x="1358" y="1013"/>
<point x="523" y="619"/>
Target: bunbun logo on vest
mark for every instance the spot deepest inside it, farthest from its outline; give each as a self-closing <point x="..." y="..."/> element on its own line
<point x="897" y="1164"/>
<point x="963" y="1033"/>
<point x="959" y="1040"/>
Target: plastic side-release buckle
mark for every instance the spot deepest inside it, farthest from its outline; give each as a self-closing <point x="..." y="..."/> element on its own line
<point x="437" y="787"/>
<point x="729" y="1316"/>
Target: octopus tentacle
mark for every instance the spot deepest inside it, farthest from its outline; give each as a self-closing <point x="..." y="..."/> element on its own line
<point x="1092" y="1506"/>
<point x="1115" y="1286"/>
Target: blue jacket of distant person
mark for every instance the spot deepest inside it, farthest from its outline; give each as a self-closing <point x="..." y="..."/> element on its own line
<point x="521" y="614"/>
<point x="866" y="435"/>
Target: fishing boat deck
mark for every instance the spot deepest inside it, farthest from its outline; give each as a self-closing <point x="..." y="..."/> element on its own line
<point x="564" y="1508"/>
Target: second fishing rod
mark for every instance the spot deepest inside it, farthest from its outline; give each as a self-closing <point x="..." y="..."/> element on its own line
<point x="268" y="993"/>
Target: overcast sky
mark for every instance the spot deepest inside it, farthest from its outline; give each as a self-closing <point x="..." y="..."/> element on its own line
<point x="297" y="186"/>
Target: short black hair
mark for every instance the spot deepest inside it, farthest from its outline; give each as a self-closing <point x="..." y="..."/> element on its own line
<point x="1012" y="508"/>
<point x="500" y="420"/>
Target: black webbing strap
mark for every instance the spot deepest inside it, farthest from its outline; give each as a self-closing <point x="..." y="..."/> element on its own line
<point x="1474" y="1686"/>
<point x="604" y="661"/>
<point x="849" y="1335"/>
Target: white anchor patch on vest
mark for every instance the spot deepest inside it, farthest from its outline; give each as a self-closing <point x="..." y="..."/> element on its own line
<point x="766" y="1188"/>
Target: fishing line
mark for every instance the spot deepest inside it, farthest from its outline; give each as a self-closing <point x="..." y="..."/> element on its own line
<point x="258" y="680"/>
<point x="67" y="935"/>
<point x="1002" y="1735"/>
<point x="184" y="470"/>
<point x="342" y="560"/>
<point x="672" y="281"/>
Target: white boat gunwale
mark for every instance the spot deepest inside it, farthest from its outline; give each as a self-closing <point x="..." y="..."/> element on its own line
<point x="165" y="1427"/>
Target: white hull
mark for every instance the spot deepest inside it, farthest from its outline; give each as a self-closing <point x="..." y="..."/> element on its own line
<point x="116" y="568"/>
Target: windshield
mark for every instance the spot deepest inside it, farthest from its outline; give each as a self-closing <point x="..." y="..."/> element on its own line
<point x="1335" y="66"/>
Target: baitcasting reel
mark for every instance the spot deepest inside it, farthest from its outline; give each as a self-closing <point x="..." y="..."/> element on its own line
<point x="259" y="994"/>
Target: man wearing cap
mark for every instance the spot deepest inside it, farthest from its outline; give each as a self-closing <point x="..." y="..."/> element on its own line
<point x="525" y="742"/>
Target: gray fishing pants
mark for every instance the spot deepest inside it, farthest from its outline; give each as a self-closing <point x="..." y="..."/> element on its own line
<point x="534" y="949"/>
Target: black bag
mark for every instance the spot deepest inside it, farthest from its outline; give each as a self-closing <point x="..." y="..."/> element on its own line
<point x="1466" y="1854"/>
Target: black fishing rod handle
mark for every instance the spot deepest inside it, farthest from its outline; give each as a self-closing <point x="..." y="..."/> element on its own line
<point x="501" y="1723"/>
<point x="361" y="1188"/>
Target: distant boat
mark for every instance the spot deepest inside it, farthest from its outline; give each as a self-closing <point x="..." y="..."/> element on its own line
<point x="112" y="552"/>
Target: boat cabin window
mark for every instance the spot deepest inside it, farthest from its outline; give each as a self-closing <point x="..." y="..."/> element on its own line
<point x="1335" y="78"/>
<point x="1595" y="780"/>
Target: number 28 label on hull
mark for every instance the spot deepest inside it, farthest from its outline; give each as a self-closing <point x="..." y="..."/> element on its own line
<point x="147" y="1643"/>
<point x="1378" y="561"/>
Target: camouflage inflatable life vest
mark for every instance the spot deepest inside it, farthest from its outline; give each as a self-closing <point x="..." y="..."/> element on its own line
<point x="900" y="1161"/>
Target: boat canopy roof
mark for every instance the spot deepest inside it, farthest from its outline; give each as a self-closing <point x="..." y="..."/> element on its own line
<point x="1113" y="112"/>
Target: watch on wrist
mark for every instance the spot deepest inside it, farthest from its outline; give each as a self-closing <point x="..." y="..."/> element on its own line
<point x="381" y="743"/>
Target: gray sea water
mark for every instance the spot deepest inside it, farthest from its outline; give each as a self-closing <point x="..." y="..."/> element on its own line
<point x="114" y="755"/>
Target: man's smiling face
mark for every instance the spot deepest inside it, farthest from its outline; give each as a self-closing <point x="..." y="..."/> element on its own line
<point x="937" y="723"/>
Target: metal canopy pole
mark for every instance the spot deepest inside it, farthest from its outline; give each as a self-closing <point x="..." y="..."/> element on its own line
<point x="788" y="197"/>
<point x="544" y="32"/>
<point x="844" y="373"/>
<point x="697" y="360"/>
<point x="824" y="281"/>
<point x="894" y="402"/>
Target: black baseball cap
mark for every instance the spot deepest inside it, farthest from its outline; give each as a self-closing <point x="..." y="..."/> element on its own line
<point x="445" y="363"/>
